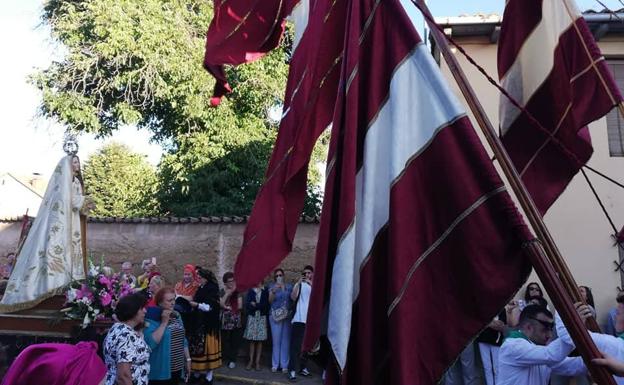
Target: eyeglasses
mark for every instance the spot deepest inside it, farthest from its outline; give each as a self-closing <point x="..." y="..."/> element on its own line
<point x="546" y="324"/>
<point x="279" y="275"/>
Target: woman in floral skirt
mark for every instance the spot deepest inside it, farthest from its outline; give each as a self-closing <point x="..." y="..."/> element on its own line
<point x="257" y="305"/>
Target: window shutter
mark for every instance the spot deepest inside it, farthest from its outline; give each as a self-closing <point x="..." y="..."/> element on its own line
<point x="615" y="123"/>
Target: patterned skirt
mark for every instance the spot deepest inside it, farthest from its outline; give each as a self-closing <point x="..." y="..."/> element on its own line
<point x="205" y="352"/>
<point x="256" y="329"/>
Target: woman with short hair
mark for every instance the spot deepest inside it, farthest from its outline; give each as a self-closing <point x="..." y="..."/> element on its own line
<point x="125" y="352"/>
<point x="164" y="334"/>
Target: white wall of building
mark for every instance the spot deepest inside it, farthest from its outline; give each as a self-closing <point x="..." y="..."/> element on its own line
<point x="575" y="221"/>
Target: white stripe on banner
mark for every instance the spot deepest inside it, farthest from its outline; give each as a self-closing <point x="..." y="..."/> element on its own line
<point x="419" y="104"/>
<point x="299" y="17"/>
<point x="535" y="59"/>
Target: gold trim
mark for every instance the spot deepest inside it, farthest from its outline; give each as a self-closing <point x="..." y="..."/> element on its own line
<point x="30" y="304"/>
<point x="438" y="242"/>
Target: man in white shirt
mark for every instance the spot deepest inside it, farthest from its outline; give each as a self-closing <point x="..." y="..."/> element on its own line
<point x="301" y="296"/>
<point x="612" y="346"/>
<point x="527" y="358"/>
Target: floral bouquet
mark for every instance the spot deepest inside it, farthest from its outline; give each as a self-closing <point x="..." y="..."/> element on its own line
<point x="95" y="298"/>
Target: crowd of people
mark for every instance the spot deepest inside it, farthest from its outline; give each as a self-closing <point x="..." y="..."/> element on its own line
<point x="164" y="334"/>
<point x="526" y="344"/>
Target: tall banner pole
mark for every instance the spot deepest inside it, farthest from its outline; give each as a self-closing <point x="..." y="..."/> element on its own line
<point x="543" y="251"/>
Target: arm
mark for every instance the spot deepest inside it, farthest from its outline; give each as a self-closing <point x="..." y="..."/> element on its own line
<point x="617" y="367"/>
<point x="124" y="376"/>
<point x="571" y="366"/>
<point x="77" y="199"/>
<point x="157" y="334"/>
<point x="225" y="298"/>
<point x="271" y="295"/>
<point x="519" y="352"/>
<point x="248" y="303"/>
<point x="295" y="291"/>
<point x="605" y="343"/>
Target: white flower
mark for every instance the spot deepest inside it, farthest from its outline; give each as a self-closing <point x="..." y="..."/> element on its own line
<point x="86" y="321"/>
<point x="71" y="295"/>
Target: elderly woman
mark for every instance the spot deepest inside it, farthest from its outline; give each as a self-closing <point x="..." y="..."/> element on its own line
<point x="204" y="336"/>
<point x="164" y="334"/>
<point x="156" y="283"/>
<point x="143" y="279"/>
<point x="54" y="363"/>
<point x="125" y="352"/>
<point x="188" y="286"/>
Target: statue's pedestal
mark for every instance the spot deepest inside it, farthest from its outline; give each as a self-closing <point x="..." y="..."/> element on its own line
<point x="44" y="320"/>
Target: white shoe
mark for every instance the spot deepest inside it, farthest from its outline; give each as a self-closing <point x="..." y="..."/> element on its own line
<point x="231" y="365"/>
<point x="285" y="370"/>
<point x="273" y="370"/>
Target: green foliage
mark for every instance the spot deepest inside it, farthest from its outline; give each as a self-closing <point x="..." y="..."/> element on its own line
<point x="138" y="62"/>
<point x="121" y="183"/>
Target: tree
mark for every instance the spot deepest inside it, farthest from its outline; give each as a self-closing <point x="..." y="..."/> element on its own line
<point x="121" y="183"/>
<point x="138" y="62"/>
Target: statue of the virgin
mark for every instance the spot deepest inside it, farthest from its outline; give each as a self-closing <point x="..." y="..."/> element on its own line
<point x="53" y="253"/>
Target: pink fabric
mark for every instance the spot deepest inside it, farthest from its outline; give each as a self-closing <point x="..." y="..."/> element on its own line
<point x="57" y="364"/>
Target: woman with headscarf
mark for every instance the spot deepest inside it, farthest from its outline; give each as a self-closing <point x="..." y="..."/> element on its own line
<point x="52" y="254"/>
<point x="204" y="336"/>
<point x="57" y="364"/>
<point x="187" y="287"/>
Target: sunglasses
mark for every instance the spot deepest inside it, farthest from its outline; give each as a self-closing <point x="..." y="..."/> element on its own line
<point x="546" y="324"/>
<point x="279" y="275"/>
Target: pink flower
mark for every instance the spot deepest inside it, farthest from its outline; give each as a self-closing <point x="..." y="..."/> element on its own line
<point x="105" y="281"/>
<point x="83" y="292"/>
<point x="105" y="298"/>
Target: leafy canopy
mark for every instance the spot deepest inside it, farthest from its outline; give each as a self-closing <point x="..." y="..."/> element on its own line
<point x="120" y="182"/>
<point x="138" y="62"/>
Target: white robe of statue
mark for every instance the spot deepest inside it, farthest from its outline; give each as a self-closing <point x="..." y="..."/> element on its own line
<point x="52" y="255"/>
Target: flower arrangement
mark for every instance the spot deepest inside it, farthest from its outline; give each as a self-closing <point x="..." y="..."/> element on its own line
<point x="95" y="298"/>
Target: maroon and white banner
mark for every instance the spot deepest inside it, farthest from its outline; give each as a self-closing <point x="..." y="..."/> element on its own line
<point x="420" y="243"/>
<point x="242" y="31"/>
<point x="549" y="62"/>
<point x="308" y="109"/>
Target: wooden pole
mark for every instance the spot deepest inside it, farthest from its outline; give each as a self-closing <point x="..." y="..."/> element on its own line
<point x="544" y="255"/>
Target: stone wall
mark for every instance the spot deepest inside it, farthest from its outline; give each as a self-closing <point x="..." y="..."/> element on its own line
<point x="214" y="245"/>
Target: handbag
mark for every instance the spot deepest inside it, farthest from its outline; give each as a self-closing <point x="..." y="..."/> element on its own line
<point x="280" y="313"/>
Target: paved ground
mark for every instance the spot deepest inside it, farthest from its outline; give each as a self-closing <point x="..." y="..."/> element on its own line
<point x="239" y="375"/>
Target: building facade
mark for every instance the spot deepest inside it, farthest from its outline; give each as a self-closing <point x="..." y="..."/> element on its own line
<point x="576" y="220"/>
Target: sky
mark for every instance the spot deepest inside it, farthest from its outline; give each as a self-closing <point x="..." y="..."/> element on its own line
<point x="30" y="144"/>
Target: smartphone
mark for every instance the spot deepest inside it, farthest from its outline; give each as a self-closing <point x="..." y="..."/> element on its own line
<point x="153" y="260"/>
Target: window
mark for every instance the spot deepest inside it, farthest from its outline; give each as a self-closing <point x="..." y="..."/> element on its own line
<point x="615" y="122"/>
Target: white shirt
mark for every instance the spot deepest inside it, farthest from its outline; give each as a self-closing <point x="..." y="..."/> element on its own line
<point x="301" y="312"/>
<point x="612" y="346"/>
<point x="521" y="362"/>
